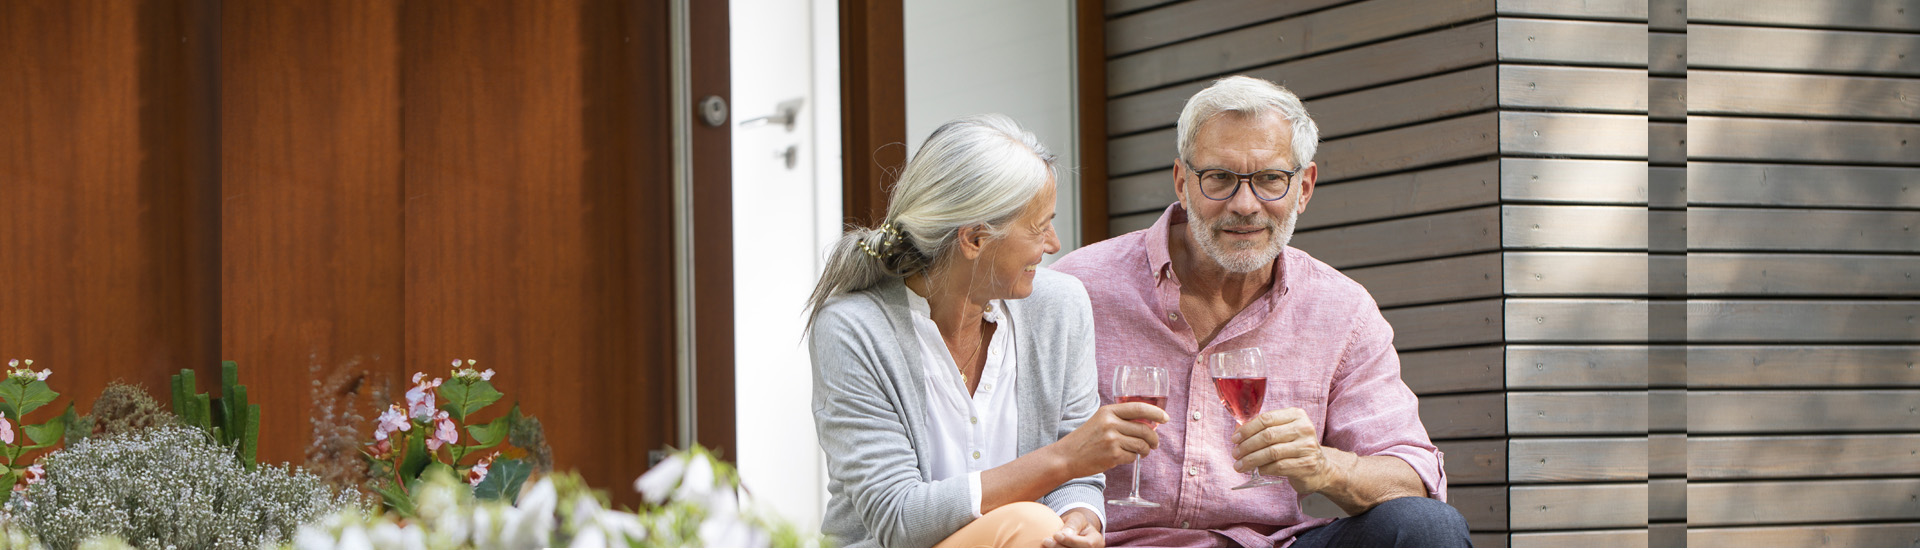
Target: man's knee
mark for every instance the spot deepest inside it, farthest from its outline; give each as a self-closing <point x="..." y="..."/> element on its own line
<point x="1422" y="522"/>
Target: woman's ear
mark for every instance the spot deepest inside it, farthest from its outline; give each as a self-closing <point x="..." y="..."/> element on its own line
<point x="971" y="240"/>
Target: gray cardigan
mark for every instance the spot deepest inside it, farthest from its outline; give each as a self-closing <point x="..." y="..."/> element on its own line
<point x="869" y="405"/>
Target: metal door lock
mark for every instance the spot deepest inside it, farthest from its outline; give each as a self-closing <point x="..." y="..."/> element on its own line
<point x="713" y="110"/>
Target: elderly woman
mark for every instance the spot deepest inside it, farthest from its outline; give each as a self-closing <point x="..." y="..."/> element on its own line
<point x="954" y="386"/>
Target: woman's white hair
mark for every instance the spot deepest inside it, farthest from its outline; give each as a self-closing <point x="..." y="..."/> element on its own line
<point x="979" y="171"/>
<point x="1248" y="96"/>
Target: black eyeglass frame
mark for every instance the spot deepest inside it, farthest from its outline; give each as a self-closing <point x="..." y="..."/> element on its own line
<point x="1240" y="178"/>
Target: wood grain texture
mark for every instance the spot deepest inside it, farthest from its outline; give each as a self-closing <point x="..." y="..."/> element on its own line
<point x="1545" y="367"/>
<point x="1458" y="232"/>
<point x="110" y="182"/>
<point x="1712" y="504"/>
<point x="1464" y="416"/>
<point x="1825" y="14"/>
<point x="1394" y="60"/>
<point x="1781" y="366"/>
<point x="1475" y="461"/>
<point x="1121" y="225"/>
<point x="1776" y="274"/>
<point x="1712" y="138"/>
<point x="1452" y="370"/>
<point x="1577" y="413"/>
<point x="1430" y="281"/>
<point x="1574" y="135"/>
<point x="1404" y="194"/>
<point x="1801" y="411"/>
<point x="873" y="104"/>
<point x="1877" y="535"/>
<point x="1765" y="457"/>
<point x="1667" y="455"/>
<point x="1604" y="538"/>
<point x="1776" y="321"/>
<point x="1608" y="10"/>
<point x="1189" y="20"/>
<point x="1584" y="89"/>
<point x="1439" y="142"/>
<point x="1622" y="182"/>
<point x="1090" y="110"/>
<point x="1484" y="507"/>
<point x="1142" y="192"/>
<point x="1785" y="230"/>
<point x="1597" y="274"/>
<point x="1321" y="31"/>
<point x="1801" y="185"/>
<point x="1667" y="54"/>
<point x="1568" y="320"/>
<point x="1667" y="15"/>
<point x="1119" y="7"/>
<point x="1445" y="325"/>
<point x="534" y="261"/>
<point x="1481" y="539"/>
<point x="1430" y="98"/>
<point x="1666" y="410"/>
<point x="1803" y="50"/>
<point x="1667" y="500"/>
<point x="312" y="217"/>
<point x="1561" y="42"/>
<point x="1594" y="506"/>
<point x="1667" y="99"/>
<point x="1802" y="95"/>
<point x="1577" y="459"/>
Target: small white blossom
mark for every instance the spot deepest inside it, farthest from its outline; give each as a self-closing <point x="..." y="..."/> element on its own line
<point x="658" y="482"/>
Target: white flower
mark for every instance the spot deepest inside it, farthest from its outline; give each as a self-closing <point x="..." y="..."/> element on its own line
<point x="13" y="363"/>
<point x="311" y="537"/>
<point x="589" y="537"/>
<point x="354" y="538"/>
<point x="44" y="373"/>
<point x="484" y="533"/>
<point x="697" y="484"/>
<point x="660" y="479"/>
<point x="385" y="536"/>
<point x="530" y="522"/>
<point x="412" y="538"/>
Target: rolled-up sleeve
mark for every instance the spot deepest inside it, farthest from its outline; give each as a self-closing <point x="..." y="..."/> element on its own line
<point x="1370" y="410"/>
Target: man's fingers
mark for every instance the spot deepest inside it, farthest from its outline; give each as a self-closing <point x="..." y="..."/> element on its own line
<point x="1139" y="411"/>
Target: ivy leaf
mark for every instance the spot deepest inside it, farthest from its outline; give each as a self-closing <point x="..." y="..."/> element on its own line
<point x="503" y="481"/>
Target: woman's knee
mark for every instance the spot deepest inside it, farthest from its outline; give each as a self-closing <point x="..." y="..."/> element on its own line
<point x="1027" y="515"/>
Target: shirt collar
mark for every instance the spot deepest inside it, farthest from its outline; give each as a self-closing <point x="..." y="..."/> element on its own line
<point x="1160" y="258"/>
<point x="919" y="306"/>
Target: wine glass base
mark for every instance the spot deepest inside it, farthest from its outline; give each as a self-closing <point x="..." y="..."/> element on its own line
<point x="1136" y="502"/>
<point x="1258" y="482"/>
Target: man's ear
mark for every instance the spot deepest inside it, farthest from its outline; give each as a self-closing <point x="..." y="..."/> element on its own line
<point x="1180" y="183"/>
<point x="1307" y="178"/>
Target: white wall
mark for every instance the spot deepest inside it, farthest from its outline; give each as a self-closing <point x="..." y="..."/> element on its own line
<point x="1013" y="57"/>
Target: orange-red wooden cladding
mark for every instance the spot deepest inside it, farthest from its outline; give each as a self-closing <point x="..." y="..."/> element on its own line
<point x="873" y="105"/>
<point x="368" y="185"/>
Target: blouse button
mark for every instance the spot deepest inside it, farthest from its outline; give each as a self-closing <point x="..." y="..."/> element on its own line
<point x="976" y="455"/>
<point x="1191" y="470"/>
<point x="1196" y="415"/>
<point x="1173" y="316"/>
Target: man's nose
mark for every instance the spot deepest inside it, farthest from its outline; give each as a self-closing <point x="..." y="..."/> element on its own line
<point x="1244" y="202"/>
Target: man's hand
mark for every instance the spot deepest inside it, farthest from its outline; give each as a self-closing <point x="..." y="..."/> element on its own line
<point x="1284" y="443"/>
<point x="1082" y="530"/>
<point x="1110" y="438"/>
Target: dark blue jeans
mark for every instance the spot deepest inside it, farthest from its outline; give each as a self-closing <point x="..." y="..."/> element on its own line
<point x="1413" y="522"/>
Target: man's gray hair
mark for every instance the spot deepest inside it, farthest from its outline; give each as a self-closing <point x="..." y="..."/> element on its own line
<point x="978" y="171"/>
<point x="1248" y="96"/>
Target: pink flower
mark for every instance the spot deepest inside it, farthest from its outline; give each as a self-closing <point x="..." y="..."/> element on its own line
<point x="443" y="432"/>
<point x="479" y="471"/>
<point x="380" y="449"/>
<point x="394" y="420"/>
<point x="43" y="374"/>
<point x="33" y="475"/>
<point x="6" y="431"/>
<point x="420" y="399"/>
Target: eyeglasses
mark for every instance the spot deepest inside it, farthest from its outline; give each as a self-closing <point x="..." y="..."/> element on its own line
<point x="1269" y="185"/>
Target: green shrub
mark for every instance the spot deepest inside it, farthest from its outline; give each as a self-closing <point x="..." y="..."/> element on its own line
<point x="168" y="487"/>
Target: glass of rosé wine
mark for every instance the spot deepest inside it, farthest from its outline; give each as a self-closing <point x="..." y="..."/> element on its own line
<point x="1240" y="376"/>
<point x="1136" y="384"/>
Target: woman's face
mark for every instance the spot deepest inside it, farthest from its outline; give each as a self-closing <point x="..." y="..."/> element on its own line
<point x="1005" y="269"/>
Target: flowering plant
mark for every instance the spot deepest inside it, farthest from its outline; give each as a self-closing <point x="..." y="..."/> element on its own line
<point x="21" y="392"/>
<point x="426" y="436"/>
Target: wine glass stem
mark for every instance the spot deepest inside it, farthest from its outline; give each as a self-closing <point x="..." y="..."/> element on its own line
<point x="1136" y="474"/>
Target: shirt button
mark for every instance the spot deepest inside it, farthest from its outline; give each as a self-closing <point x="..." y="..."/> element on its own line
<point x="1184" y="525"/>
<point x="976" y="420"/>
<point x="986" y="387"/>
<point x="976" y="455"/>
<point x="1173" y="316"/>
<point x="1191" y="470"/>
<point x="1196" y="415"/>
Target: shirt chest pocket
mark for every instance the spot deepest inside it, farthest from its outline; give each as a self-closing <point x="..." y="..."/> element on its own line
<point x="1298" y="387"/>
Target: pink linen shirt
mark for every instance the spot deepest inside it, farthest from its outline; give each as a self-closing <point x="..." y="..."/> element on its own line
<point x="1330" y="353"/>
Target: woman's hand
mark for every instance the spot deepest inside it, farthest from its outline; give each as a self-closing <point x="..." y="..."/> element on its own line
<point x="1082" y="530"/>
<point x="1116" y="434"/>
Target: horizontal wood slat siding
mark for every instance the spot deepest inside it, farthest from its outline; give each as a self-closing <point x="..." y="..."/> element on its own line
<point x="1723" y="457"/>
<point x="1803" y="50"/>
<point x="1827" y="14"/>
<point x="1801" y="411"/>
<point x="1596" y="506"/>
<point x="1798" y="185"/>
<point x="1773" y="502"/>
<point x="1803" y="366"/>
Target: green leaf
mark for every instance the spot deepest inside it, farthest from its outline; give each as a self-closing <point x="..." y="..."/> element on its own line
<point x="416" y="458"/>
<point x="250" y="444"/>
<point x="49" y="432"/>
<point x="24" y="398"/>
<point x="68" y="420"/>
<point x="503" y="480"/>
<point x="395" y="497"/>
<point x="463" y="396"/>
<point x="491" y="433"/>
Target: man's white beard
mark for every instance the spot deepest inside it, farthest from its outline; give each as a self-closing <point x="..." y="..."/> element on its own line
<point x="1247" y="259"/>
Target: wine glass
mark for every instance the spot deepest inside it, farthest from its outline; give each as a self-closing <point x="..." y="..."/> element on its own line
<point x="1138" y="384"/>
<point x="1240" y="376"/>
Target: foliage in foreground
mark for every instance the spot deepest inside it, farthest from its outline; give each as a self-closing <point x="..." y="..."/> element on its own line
<point x="168" y="487"/>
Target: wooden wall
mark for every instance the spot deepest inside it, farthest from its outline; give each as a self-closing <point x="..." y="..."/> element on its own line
<point x="369" y="185"/>
<point x="1650" y="263"/>
<point x="1803" y="202"/>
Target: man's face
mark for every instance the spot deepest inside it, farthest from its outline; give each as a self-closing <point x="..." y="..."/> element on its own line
<point x="1243" y="233"/>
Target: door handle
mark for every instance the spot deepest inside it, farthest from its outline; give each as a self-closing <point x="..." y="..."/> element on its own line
<point x="786" y="113"/>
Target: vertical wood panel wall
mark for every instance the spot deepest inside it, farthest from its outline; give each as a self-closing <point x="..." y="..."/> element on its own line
<point x="367" y="185"/>
<point x="1803" y="201"/>
<point x="1485" y="174"/>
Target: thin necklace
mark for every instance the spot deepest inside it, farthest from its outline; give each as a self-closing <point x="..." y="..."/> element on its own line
<point x="976" y="351"/>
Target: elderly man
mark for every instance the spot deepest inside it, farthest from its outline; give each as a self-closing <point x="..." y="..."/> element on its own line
<point x="1215" y="274"/>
